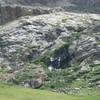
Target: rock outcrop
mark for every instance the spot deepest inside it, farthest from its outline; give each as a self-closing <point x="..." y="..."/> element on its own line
<point x="9" y="13"/>
<point x="13" y="9"/>
<point x="29" y="37"/>
<point x="58" y="39"/>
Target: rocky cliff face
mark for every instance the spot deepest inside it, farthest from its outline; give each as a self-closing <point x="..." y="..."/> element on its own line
<point x="9" y="12"/>
<point x="53" y="38"/>
<point x="13" y="9"/>
<point x="31" y="37"/>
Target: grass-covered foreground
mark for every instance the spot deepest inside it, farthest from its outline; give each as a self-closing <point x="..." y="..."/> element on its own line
<point x="19" y="93"/>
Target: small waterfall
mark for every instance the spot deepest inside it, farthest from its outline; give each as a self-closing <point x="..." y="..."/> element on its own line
<point x="61" y="58"/>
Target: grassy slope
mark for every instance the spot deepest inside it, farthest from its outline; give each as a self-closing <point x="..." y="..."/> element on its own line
<point x="19" y="93"/>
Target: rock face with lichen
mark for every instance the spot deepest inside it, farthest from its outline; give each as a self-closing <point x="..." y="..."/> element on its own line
<point x="53" y="36"/>
<point x="30" y="37"/>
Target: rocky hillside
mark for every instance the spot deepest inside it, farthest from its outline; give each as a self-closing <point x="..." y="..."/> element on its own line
<point x="49" y="47"/>
<point x="56" y="40"/>
<point x="13" y="9"/>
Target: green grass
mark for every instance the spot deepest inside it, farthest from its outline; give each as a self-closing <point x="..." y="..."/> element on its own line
<point x="20" y="93"/>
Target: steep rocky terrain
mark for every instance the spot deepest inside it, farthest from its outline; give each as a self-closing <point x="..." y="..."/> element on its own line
<point x="47" y="43"/>
<point x="9" y="13"/>
<point x="13" y="9"/>
<point x="67" y="38"/>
